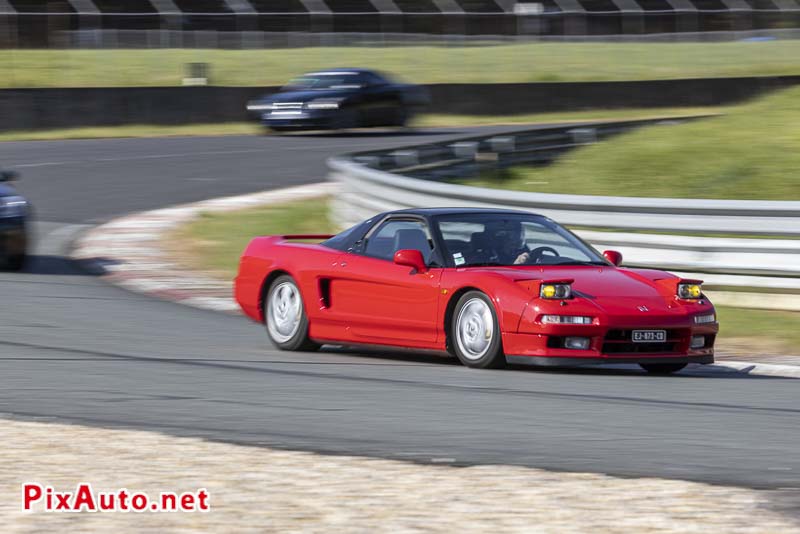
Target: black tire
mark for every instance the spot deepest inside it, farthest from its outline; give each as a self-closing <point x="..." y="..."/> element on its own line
<point x="662" y="368"/>
<point x="295" y="339"/>
<point x="400" y="116"/>
<point x="16" y="262"/>
<point x="347" y="119"/>
<point x="489" y="357"/>
<point x="402" y="120"/>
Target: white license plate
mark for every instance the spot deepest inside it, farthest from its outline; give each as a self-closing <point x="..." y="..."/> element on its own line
<point x="649" y="336"/>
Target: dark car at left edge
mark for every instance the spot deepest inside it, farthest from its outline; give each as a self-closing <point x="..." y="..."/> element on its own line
<point x="339" y="99"/>
<point x="14" y="211"/>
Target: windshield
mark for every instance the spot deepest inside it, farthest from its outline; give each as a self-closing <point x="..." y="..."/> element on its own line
<point x="340" y="80"/>
<point x="480" y="239"/>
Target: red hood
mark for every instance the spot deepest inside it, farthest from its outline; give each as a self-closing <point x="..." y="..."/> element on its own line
<point x="595" y="281"/>
<point x="612" y="289"/>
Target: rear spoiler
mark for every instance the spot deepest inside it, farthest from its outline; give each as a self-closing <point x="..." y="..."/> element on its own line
<point x="305" y="236"/>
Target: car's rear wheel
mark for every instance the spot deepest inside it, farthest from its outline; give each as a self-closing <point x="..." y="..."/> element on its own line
<point x="285" y="315"/>
<point x="399" y="115"/>
<point x="662" y="368"/>
<point x="475" y="332"/>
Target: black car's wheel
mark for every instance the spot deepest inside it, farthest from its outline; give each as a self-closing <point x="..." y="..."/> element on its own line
<point x="662" y="368"/>
<point x="347" y="118"/>
<point x="17" y="256"/>
<point x="16" y="262"/>
<point x="401" y="116"/>
<point x="475" y="332"/>
<point x="285" y="315"/>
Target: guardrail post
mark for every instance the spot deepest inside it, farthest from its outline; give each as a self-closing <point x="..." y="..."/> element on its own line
<point x="501" y="145"/>
<point x="583" y="135"/>
<point x="368" y="161"/>
<point x="465" y="149"/>
<point x="405" y="158"/>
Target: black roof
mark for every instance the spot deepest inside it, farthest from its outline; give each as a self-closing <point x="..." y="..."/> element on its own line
<point x="429" y="212"/>
<point x="348" y="70"/>
<point x="346" y="239"/>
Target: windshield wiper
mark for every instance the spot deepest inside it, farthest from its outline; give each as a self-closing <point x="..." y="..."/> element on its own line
<point x="578" y="262"/>
<point x="484" y="264"/>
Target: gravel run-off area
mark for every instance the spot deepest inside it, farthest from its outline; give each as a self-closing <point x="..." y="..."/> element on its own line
<point x="264" y="490"/>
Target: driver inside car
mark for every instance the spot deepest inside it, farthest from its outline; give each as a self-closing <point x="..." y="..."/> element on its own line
<point x="507" y="243"/>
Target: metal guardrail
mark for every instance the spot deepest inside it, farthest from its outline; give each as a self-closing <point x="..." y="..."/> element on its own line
<point x="470" y="156"/>
<point x="372" y="182"/>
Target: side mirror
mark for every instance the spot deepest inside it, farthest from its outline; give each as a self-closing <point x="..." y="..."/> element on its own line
<point x="411" y="258"/>
<point x="8" y="176"/>
<point x="613" y="256"/>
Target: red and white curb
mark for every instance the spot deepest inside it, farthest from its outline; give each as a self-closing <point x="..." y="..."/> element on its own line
<point x="129" y="251"/>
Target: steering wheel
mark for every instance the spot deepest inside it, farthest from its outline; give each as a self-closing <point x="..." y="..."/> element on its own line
<point x="538" y="252"/>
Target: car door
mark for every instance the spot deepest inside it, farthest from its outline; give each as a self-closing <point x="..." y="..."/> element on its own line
<point x="379" y="301"/>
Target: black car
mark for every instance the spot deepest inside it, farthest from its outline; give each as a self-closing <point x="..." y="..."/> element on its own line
<point x="339" y="98"/>
<point x="14" y="211"/>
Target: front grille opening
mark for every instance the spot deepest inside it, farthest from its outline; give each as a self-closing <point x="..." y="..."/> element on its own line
<point x="620" y="342"/>
<point x="709" y="341"/>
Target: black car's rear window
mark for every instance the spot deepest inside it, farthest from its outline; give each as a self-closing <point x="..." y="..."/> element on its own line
<point x="328" y="80"/>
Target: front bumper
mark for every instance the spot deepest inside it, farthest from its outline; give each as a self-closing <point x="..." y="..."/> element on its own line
<point x="611" y="344"/>
<point x="301" y="119"/>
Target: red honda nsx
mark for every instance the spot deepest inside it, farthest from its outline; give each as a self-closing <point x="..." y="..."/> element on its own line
<point x="488" y="286"/>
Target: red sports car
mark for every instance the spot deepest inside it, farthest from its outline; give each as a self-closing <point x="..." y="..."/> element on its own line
<point x="488" y="286"/>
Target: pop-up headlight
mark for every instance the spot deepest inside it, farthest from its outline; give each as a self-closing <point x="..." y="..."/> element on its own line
<point x="555" y="290"/>
<point x="690" y="290"/>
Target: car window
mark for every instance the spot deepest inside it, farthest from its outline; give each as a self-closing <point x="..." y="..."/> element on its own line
<point x="396" y="235"/>
<point x="345" y="239"/>
<point x="326" y="80"/>
<point x="477" y="239"/>
<point x="373" y="79"/>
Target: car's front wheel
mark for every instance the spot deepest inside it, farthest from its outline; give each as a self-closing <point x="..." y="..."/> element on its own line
<point x="16" y="262"/>
<point x="475" y="332"/>
<point x="662" y="368"/>
<point x="285" y="315"/>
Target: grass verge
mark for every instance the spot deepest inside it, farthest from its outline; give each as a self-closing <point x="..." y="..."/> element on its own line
<point x="423" y="121"/>
<point x="759" y="331"/>
<point x="751" y="152"/>
<point x="214" y="242"/>
<point x="528" y="62"/>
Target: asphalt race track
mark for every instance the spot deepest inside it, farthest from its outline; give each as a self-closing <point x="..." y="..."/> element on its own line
<point x="73" y="348"/>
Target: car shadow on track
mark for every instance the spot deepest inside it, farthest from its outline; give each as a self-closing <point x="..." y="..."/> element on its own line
<point x="632" y="370"/>
<point x="398" y="356"/>
<point x="44" y="264"/>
